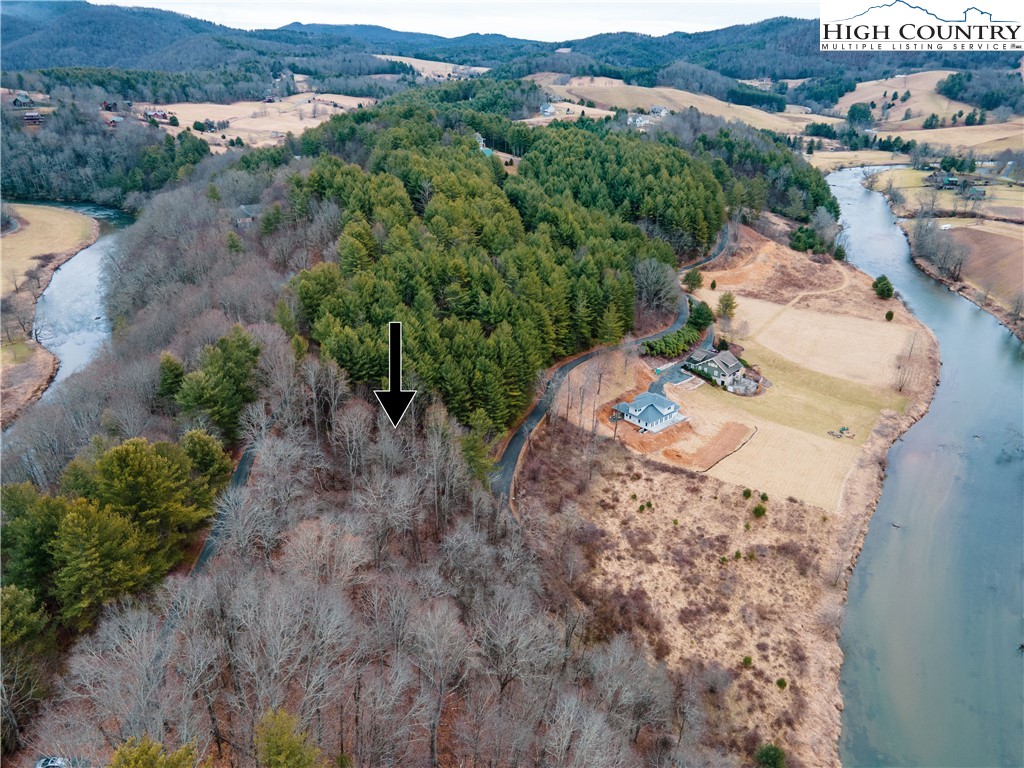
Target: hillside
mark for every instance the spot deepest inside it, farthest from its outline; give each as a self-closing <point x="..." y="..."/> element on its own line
<point x="608" y="93"/>
<point x="923" y="101"/>
<point x="79" y="34"/>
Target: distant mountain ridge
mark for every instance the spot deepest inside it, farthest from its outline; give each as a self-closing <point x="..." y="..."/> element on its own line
<point x="73" y="33"/>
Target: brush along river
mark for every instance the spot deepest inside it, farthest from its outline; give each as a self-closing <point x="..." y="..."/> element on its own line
<point x="932" y="675"/>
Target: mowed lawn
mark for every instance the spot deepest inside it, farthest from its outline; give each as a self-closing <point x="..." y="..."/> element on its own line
<point x="48" y="230"/>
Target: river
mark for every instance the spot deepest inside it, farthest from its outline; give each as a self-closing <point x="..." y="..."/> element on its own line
<point x="932" y="674"/>
<point x="71" y="320"/>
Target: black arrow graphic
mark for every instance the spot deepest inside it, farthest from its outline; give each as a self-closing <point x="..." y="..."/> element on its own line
<point x="395" y="400"/>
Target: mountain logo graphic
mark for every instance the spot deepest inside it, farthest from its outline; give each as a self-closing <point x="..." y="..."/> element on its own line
<point x="979" y="16"/>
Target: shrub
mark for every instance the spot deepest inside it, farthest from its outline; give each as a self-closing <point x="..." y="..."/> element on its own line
<point x="839" y="254"/>
<point x="675" y="521"/>
<point x="649" y="504"/>
<point x="883" y="287"/>
<point x="738" y="555"/>
<point x="764" y="496"/>
<point x="197" y="125"/>
<point x="714" y="284"/>
<point x="770" y="756"/>
<point x="781" y="682"/>
<point x="746" y="526"/>
<point x="173" y="120"/>
<point x="748" y="662"/>
<point x="746" y="493"/>
<point x="759" y="510"/>
<point x="723" y="560"/>
<point x="889" y="315"/>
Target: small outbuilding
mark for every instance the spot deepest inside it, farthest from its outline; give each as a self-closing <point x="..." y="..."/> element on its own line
<point x="651" y="412"/>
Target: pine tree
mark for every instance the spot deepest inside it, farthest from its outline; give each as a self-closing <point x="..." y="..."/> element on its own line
<point x="727" y="305"/>
<point x="224" y="384"/>
<point x="280" y="743"/>
<point x="610" y="327"/>
<point x="172" y="372"/>
<point x="150" y="486"/>
<point x="146" y="753"/>
<point x="97" y="557"/>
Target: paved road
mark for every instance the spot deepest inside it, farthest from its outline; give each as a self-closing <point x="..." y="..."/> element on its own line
<point x="505" y="467"/>
<point x="239" y="478"/>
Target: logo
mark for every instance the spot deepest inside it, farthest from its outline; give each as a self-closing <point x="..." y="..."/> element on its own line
<point x="941" y="25"/>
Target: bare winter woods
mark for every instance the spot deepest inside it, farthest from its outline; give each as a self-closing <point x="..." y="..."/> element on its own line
<point x="362" y="580"/>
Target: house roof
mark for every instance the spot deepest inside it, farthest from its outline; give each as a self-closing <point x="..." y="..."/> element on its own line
<point x="651" y="400"/>
<point x="649" y="414"/>
<point x="699" y="355"/>
<point x="727" y="362"/>
<point x="248" y="211"/>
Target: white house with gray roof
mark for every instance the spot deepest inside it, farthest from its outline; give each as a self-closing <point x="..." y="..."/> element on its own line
<point x="720" y="367"/>
<point x="651" y="412"/>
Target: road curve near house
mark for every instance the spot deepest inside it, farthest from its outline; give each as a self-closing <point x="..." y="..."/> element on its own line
<point x="505" y="467"/>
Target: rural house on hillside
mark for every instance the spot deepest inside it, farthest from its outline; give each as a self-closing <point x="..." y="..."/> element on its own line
<point x="651" y="411"/>
<point x="246" y="215"/>
<point x="721" y="367"/>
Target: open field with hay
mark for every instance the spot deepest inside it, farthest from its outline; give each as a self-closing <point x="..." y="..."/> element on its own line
<point x="259" y="123"/>
<point x="435" y="69"/>
<point x="923" y="101"/>
<point x="608" y="93"/>
<point x="995" y="260"/>
<point x="983" y="139"/>
<point x="45" y="231"/>
<point x="826" y="161"/>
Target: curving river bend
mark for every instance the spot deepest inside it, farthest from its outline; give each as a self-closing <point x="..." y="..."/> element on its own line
<point x="932" y="675"/>
<point x="71" y="320"/>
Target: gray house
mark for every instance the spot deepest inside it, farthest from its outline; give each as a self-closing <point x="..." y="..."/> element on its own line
<point x="246" y="215"/>
<point x="720" y="367"/>
<point x="651" y="412"/>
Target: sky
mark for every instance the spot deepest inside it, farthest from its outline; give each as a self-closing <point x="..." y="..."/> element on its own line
<point x="548" y="20"/>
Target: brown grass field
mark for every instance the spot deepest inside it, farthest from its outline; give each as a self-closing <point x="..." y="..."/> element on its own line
<point x="44" y="230"/>
<point x="259" y="124"/>
<point x="1002" y="200"/>
<point x="826" y="161"/>
<point x="985" y="139"/>
<point x="995" y="262"/>
<point x="817" y="332"/>
<point x="608" y="93"/>
<point x="923" y="101"/>
<point x="435" y="69"/>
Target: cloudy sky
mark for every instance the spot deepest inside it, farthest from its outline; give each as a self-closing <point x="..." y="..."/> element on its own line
<point x="531" y="19"/>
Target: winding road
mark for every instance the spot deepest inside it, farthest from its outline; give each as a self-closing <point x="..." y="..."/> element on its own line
<point x="505" y="467"/>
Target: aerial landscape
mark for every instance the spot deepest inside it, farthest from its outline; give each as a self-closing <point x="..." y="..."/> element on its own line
<point x="632" y="386"/>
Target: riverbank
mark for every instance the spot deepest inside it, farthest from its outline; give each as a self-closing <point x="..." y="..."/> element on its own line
<point x="724" y="583"/>
<point x="993" y="272"/>
<point x="1013" y="322"/>
<point x="46" y="239"/>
